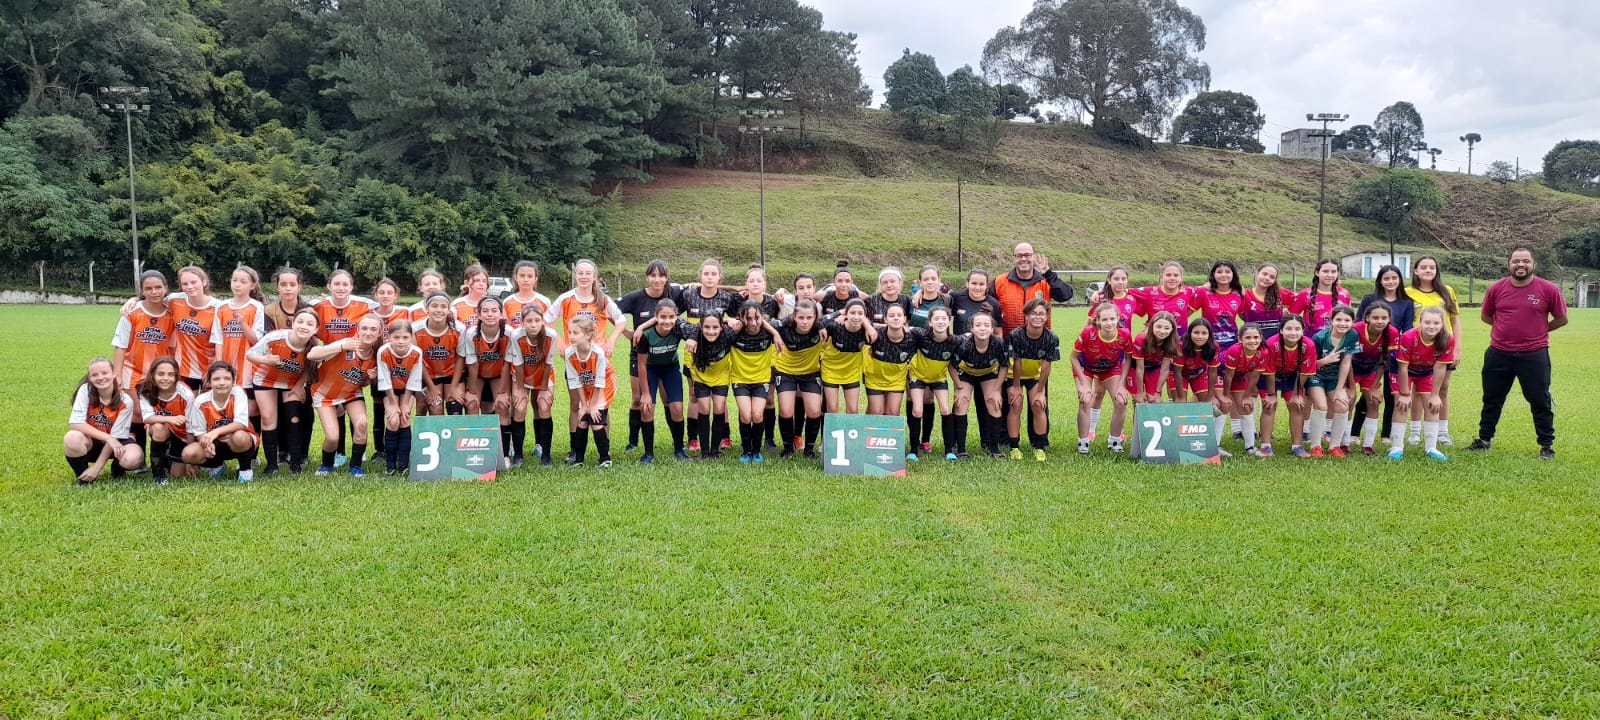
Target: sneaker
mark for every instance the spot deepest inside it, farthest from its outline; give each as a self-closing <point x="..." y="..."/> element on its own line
<point x="604" y="464"/>
<point x="744" y="458"/>
<point x="647" y="458"/>
<point x="757" y="458"/>
<point x="925" y="448"/>
<point x="296" y="469"/>
<point x="950" y="457"/>
<point x="574" y="465"/>
<point x="726" y="444"/>
<point x="632" y="447"/>
<point x="1414" y="439"/>
<point x="269" y="470"/>
<point x="1338" y="452"/>
<point x="1368" y="451"/>
<point x="680" y="455"/>
<point x="787" y="452"/>
<point x="1299" y="451"/>
<point x="1316" y="452"/>
<point x="1039" y="455"/>
<point x="1436" y="455"/>
<point x="354" y="472"/>
<point x="1255" y="452"/>
<point x="323" y="470"/>
<point x="997" y="455"/>
<point x="810" y="453"/>
<point x="1223" y="453"/>
<point x="216" y="472"/>
<point x="161" y="481"/>
<point x="516" y="462"/>
<point x="1016" y="453"/>
<point x="910" y="457"/>
<point x="1115" y="444"/>
<point x="1478" y="444"/>
<point x="1083" y="447"/>
<point x="545" y="461"/>
<point x="694" y="446"/>
<point x="963" y="455"/>
<point x="1444" y="439"/>
<point x="1547" y="453"/>
<point x="1397" y="454"/>
<point x="572" y="458"/>
<point x="1266" y="451"/>
<point x="339" y="460"/>
<point x="245" y="476"/>
<point x="769" y="445"/>
<point x="142" y="469"/>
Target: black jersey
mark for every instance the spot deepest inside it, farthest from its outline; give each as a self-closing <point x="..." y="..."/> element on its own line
<point x="842" y="339"/>
<point x="640" y="306"/>
<point x="696" y="306"/>
<point x="1031" y="353"/>
<point x="963" y="307"/>
<point x="981" y="363"/>
<point x="890" y="351"/>
<point x="793" y="339"/>
<point x="936" y="350"/>
<point x="878" y="308"/>
<point x="708" y="353"/>
<point x="832" y="305"/>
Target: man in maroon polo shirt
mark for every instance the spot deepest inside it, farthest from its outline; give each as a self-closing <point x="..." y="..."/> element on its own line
<point x="1521" y="310"/>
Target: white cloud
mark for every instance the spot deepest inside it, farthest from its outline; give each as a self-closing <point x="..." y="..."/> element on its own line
<point x="1521" y="74"/>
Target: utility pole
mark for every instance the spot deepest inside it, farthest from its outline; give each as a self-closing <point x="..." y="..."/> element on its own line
<point x="129" y="101"/>
<point x="757" y="123"/>
<point x="959" y="265"/>
<point x="1322" y="195"/>
<point x="1433" y="160"/>
<point x="1471" y="139"/>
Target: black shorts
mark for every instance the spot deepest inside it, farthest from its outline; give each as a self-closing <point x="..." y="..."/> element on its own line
<point x="752" y="390"/>
<point x="915" y="384"/>
<point x="880" y="393"/>
<point x="586" y="421"/>
<point x="486" y="393"/>
<point x="799" y="383"/>
<point x="444" y="380"/>
<point x="1029" y="385"/>
<point x="976" y="380"/>
<point x="702" y="390"/>
<point x="96" y="446"/>
<point x="842" y="386"/>
<point x="224" y="454"/>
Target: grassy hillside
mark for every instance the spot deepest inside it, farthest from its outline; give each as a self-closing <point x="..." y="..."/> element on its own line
<point x="854" y="188"/>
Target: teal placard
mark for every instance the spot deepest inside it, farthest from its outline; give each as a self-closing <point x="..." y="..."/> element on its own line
<point x="1175" y="433"/>
<point x="455" y="447"/>
<point x="863" y="445"/>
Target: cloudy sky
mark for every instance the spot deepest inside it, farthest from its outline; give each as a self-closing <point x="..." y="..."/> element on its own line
<point x="1522" y="74"/>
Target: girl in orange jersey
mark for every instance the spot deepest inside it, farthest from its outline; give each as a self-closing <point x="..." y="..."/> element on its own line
<point x="439" y="338"/>
<point x="590" y="389"/>
<point x="384" y="295"/>
<point x="100" y="425"/>
<point x="399" y="383"/>
<point x="533" y="354"/>
<point x="345" y="368"/>
<point x="474" y="286"/>
<point x="144" y="333"/>
<point x="242" y="322"/>
<point x="219" y="424"/>
<point x="429" y="282"/>
<point x="280" y="359"/>
<point x="525" y="274"/>
<point x="280" y="314"/>
<point x="484" y="349"/>
<point x="195" y="316"/>
<point x="340" y="310"/>
<point x="164" y="404"/>
<point x="586" y="300"/>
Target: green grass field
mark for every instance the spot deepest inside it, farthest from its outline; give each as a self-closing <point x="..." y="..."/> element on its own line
<point x="1078" y="588"/>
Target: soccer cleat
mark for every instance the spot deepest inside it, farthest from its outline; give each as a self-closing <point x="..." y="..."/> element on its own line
<point x="1223" y="453"/>
<point x="1016" y="453"/>
<point x="1396" y="454"/>
<point x="910" y="457"/>
<point x="680" y="455"/>
<point x="216" y="472"/>
<point x="726" y="444"/>
<point x="744" y="458"/>
<point x="574" y="465"/>
<point x="1479" y="444"/>
<point x="997" y="455"/>
<point x="1253" y="452"/>
<point x="245" y="476"/>
<point x="323" y="470"/>
<point x="1298" y="451"/>
<point x="604" y="464"/>
<point x="757" y="458"/>
<point x="963" y="455"/>
<point x="1083" y="447"/>
<point x="694" y="446"/>
<point x="1436" y="455"/>
<point x="1040" y="455"/>
<point x="811" y="453"/>
<point x="1414" y="439"/>
<point x="339" y="460"/>
<point x="269" y="470"/>
<point x="545" y="461"/>
<point x="1338" y="452"/>
<point x="950" y="457"/>
<point x="1547" y="453"/>
<point x="1444" y="439"/>
<point x="161" y="482"/>
<point x="1266" y="451"/>
<point x="1368" y="451"/>
<point x="925" y="448"/>
<point x="1238" y="434"/>
<point x="769" y="445"/>
<point x="647" y="458"/>
<point x="573" y="458"/>
<point x="356" y="472"/>
<point x="787" y="452"/>
<point x="516" y="461"/>
<point x="1115" y="443"/>
<point x="1316" y="452"/>
<point x="296" y="469"/>
<point x="632" y="447"/>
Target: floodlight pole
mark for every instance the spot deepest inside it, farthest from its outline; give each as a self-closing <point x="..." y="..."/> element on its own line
<point x="1322" y="194"/>
<point x="127" y="100"/>
<point x="761" y="128"/>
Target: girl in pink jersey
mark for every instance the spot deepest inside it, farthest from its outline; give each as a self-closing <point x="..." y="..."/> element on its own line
<point x="1244" y="365"/>
<point x="1425" y="352"/>
<point x="1317" y="302"/>
<point x="1375" y="342"/>
<point x="1099" y="362"/>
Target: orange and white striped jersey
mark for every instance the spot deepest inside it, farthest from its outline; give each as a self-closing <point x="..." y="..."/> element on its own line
<point x="568" y="307"/>
<point x="514" y="305"/>
<point x="341" y="378"/>
<point x="438" y="350"/>
<point x="206" y="414"/>
<point x="237" y="325"/>
<point x="589" y="375"/>
<point x="143" y="337"/>
<point x="88" y="409"/>
<point x="488" y="355"/>
<point x="292" y="361"/>
<point x="536" y="363"/>
<point x="337" y="322"/>
<point x="175" y="406"/>
<point x="404" y="371"/>
<point x="198" y="336"/>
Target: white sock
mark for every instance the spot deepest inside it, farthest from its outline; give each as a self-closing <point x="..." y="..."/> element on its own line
<point x="1221" y="428"/>
<point x="1430" y="436"/>
<point x="1416" y="427"/>
<point x="1234" y="425"/>
<point x="1314" y="428"/>
<point x="1397" y="435"/>
<point x="1248" y="427"/>
<point x="1094" y="419"/>
<point x="1369" y="432"/>
<point x="1341" y="430"/>
<point x="1444" y="427"/>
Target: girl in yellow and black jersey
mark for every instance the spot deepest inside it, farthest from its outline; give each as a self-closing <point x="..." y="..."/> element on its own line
<point x="799" y="374"/>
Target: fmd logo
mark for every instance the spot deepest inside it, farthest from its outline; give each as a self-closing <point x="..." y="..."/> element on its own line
<point x="472" y="443"/>
<point x="878" y="442"/>
<point x="1192" y="429"/>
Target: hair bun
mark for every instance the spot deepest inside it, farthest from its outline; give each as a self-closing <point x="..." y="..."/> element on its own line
<point x="841" y="264"/>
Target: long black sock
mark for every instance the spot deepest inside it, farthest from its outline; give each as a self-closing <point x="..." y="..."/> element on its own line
<point x="1014" y="441"/>
<point x="255" y="424"/>
<point x="519" y="437"/>
<point x="720" y="429"/>
<point x="158" y="458"/>
<point x="963" y="422"/>
<point x="505" y="440"/>
<point x="602" y="444"/>
<point x="769" y="425"/>
<point x="751" y="431"/>
<point x="580" y="444"/>
<point x="327" y="458"/>
<point x="983" y="427"/>
<point x="544" y="432"/>
<point x="295" y="432"/>
<point x="786" y="431"/>
<point x="140" y="435"/>
<point x="913" y="431"/>
<point x="344" y="434"/>
<point x="929" y="410"/>
<point x="635" y="419"/>
<point x="947" y="432"/>
<point x="375" y="420"/>
<point x="308" y="417"/>
<point x="676" y="428"/>
<point x="246" y="461"/>
<point x="647" y="435"/>
<point x="78" y="464"/>
<point x="358" y="454"/>
<point x="997" y="431"/>
<point x="813" y="429"/>
<point x="403" y="460"/>
<point x="702" y="434"/>
<point x="269" y="447"/>
<point x="391" y="450"/>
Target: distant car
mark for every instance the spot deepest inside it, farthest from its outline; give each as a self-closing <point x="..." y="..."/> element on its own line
<point x="500" y="287"/>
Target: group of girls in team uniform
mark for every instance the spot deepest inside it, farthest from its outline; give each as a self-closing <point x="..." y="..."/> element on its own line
<point x="196" y="381"/>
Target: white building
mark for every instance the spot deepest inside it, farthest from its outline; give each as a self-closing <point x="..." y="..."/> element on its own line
<point x="1366" y="264"/>
<point x="1303" y="144"/>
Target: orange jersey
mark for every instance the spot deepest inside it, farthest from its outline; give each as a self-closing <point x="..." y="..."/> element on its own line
<point x="342" y="377"/>
<point x="143" y="337"/>
<point x="537" y="362"/>
<point x="175" y="406"/>
<point x="466" y="312"/>
<point x="394" y="313"/>
<point x="591" y="376"/>
<point x="206" y="414"/>
<point x="197" y="333"/>
<point x="89" y="409"/>
<point x="419" y="312"/>
<point x="568" y="308"/>
<point x="514" y="306"/>
<point x="399" y="372"/>
<point x="488" y="355"/>
<point x="337" y="323"/>
<point x="236" y="325"/>
<point x="292" y="367"/>
<point x="438" y="351"/>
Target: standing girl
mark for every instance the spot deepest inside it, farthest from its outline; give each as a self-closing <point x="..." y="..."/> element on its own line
<point x="1329" y="388"/>
<point x="1116" y="292"/>
<point x="799" y="379"/>
<point x="429" y="282"/>
<point x="146" y="331"/>
<point x="586" y="300"/>
<point x="1388" y="290"/>
<point x="888" y="364"/>
<point x="1318" y="301"/>
<point x="281" y="359"/>
<point x="280" y="313"/>
<point x="974" y="302"/>
<point x="890" y="282"/>
<point x="484" y="349"/>
<point x="1221" y="301"/>
<point x="164" y="405"/>
<point x="755" y="345"/>
<point x="533" y="353"/>
<point x="1427" y="290"/>
<point x="981" y="361"/>
<point x="100" y="426"/>
<point x="842" y="360"/>
<point x="439" y="339"/>
<point x="399" y="383"/>
<point x="709" y="369"/>
<point x="1376" y="338"/>
<point x="242" y="321"/>
<point x="1154" y="352"/>
<point x="1034" y="348"/>
<point x="699" y="303"/>
<point x="929" y="296"/>
<point x="1293" y="361"/>
<point x="1169" y="295"/>
<point x="474" y="286"/>
<point x="640" y="307"/>
<point x="1244" y="365"/>
<point x="384" y="296"/>
<point x="1425" y="353"/>
<point x="346" y="367"/>
<point x="1099" y="363"/>
<point x="195" y="318"/>
<point x="525" y="274"/>
<point x="590" y="389"/>
<point x="844" y="290"/>
<point x="219" y="424"/>
<point x="656" y="353"/>
<point x="929" y="383"/>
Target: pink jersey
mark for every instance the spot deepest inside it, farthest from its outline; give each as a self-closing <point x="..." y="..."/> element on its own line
<point x="1127" y="307"/>
<point x="1269" y="320"/>
<point x="1300" y="360"/>
<point x="1419" y="357"/>
<point x="1372" y="356"/>
<point x="1317" y="307"/>
<point x="1222" y="311"/>
<point x="1154" y="300"/>
<point x="1151" y="360"/>
<point x="1100" y="356"/>
<point x="1193" y="367"/>
<point x="1243" y="364"/>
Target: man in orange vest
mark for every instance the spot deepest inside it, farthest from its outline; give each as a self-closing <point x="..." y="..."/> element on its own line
<point x="1030" y="278"/>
